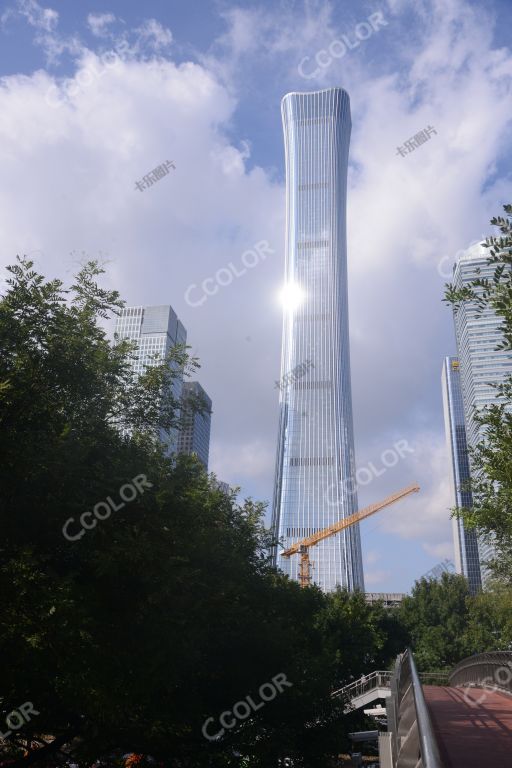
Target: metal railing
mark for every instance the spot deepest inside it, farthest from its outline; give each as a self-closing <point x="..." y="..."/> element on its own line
<point x="484" y="670"/>
<point x="411" y="741"/>
<point x="435" y="678"/>
<point x="382" y="679"/>
<point x="379" y="679"/>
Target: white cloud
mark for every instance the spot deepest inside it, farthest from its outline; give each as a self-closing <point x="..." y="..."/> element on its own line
<point x="376" y="578"/>
<point x="99" y="22"/>
<point x="425" y="516"/>
<point x="246" y="31"/>
<point x="442" y="551"/>
<point x="259" y="34"/>
<point x="148" y="39"/>
<point x="254" y="459"/>
<point x="372" y="556"/>
<point x="45" y="19"/>
<point x="45" y="22"/>
<point x="152" y="34"/>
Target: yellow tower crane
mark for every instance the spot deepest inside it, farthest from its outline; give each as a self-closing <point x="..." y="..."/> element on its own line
<point x="304" y="545"/>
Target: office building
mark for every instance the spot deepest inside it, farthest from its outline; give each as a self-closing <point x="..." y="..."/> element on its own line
<point x="387" y="599"/>
<point x="481" y="364"/>
<point x="155" y="330"/>
<point x="465" y="541"/>
<point x="194" y="435"/>
<point x="315" y="472"/>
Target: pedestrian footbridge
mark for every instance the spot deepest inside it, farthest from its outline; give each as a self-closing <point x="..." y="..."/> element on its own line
<point x="366" y="690"/>
<point x="463" y="721"/>
<point x="377" y="686"/>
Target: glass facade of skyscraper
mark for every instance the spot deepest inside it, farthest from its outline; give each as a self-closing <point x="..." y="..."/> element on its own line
<point x="194" y="436"/>
<point x="155" y="330"/>
<point x="481" y="364"/>
<point x="465" y="541"/>
<point x="315" y="468"/>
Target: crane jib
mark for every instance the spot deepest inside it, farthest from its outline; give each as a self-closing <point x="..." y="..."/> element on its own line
<point x="310" y="541"/>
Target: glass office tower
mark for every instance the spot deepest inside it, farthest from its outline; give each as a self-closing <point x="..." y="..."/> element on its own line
<point x="465" y="541"/>
<point x="156" y="330"/>
<point x="194" y="436"/>
<point x="481" y="364"/>
<point x="315" y="469"/>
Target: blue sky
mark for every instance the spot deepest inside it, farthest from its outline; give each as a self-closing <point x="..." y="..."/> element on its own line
<point x="95" y="95"/>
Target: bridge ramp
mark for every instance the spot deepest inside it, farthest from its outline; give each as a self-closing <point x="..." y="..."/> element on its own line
<point x="473" y="726"/>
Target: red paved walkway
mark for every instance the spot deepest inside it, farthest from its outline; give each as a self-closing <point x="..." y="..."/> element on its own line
<point x="473" y="726"/>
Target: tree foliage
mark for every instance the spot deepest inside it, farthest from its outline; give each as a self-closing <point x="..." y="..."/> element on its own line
<point x="446" y="624"/>
<point x="436" y="616"/>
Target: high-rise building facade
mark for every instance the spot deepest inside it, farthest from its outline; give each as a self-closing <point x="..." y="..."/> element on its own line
<point x="155" y="330"/>
<point x="194" y="435"/>
<point x="315" y="468"/>
<point x="481" y="364"/>
<point x="465" y="541"/>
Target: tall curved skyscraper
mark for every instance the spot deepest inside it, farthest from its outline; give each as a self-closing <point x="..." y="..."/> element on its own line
<point x="315" y="470"/>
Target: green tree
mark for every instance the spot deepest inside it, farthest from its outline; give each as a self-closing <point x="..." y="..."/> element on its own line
<point x="358" y="637"/>
<point x="491" y="482"/>
<point x="490" y="620"/>
<point x="436" y="616"/>
<point x="395" y="636"/>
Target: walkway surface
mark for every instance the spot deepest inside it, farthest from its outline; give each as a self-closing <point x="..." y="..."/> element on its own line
<point x="473" y="726"/>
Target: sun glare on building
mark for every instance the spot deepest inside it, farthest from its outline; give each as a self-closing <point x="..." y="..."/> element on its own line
<point x="292" y="296"/>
